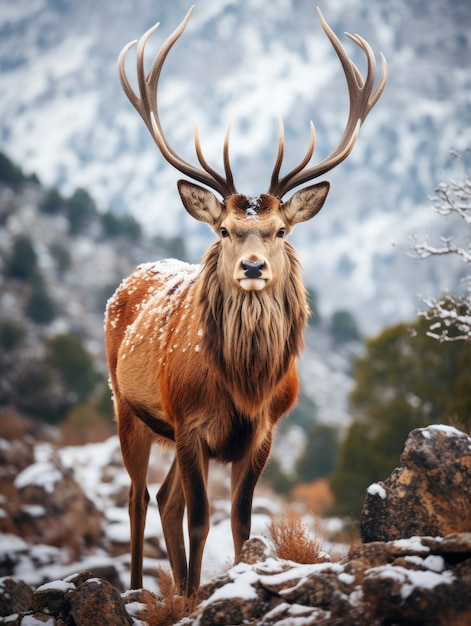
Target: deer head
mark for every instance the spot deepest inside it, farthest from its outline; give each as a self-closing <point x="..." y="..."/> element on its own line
<point x="251" y="229"/>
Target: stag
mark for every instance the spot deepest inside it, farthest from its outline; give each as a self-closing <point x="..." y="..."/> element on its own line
<point x="203" y="358"/>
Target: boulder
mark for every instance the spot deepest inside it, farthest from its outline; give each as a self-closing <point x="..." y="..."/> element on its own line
<point x="429" y="494"/>
<point x="79" y="600"/>
<point x="15" y="596"/>
<point x="95" y="601"/>
<point x="46" y="505"/>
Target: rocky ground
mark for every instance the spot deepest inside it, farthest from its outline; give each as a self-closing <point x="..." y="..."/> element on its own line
<point x="414" y="566"/>
<point x="421" y="580"/>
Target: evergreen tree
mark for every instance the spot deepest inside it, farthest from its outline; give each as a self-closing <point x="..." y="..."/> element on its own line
<point x="40" y="308"/>
<point x="320" y="455"/>
<point x="80" y="208"/>
<point x="344" y="328"/>
<point x="53" y="203"/>
<point x="10" y="173"/>
<point x="126" y="226"/>
<point x="74" y="364"/>
<point x="12" y="334"/>
<point x="23" y="259"/>
<point x="405" y="380"/>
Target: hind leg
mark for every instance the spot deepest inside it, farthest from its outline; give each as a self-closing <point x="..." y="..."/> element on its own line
<point x="136" y="442"/>
<point x="171" y="502"/>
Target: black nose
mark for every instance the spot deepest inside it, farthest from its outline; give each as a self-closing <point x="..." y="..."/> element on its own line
<point x="253" y="269"/>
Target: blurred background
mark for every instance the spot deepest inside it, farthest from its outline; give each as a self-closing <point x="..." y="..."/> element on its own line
<point x="85" y="196"/>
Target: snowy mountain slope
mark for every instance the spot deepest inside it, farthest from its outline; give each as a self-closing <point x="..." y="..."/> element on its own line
<point x="63" y="115"/>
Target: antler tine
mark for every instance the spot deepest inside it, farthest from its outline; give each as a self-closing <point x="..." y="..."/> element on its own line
<point x="227" y="163"/>
<point x="211" y="171"/>
<point x="122" y="74"/>
<point x="279" y="157"/>
<point x="281" y="147"/>
<point x="362" y="100"/>
<point x="147" y="108"/>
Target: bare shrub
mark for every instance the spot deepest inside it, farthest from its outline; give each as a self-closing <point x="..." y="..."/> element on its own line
<point x="292" y="540"/>
<point x="170" y="607"/>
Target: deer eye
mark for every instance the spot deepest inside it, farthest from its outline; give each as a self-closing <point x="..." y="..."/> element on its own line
<point x="281" y="232"/>
<point x="224" y="232"/>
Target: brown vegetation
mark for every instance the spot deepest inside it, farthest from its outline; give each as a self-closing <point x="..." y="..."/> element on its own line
<point x="170" y="607"/>
<point x="293" y="541"/>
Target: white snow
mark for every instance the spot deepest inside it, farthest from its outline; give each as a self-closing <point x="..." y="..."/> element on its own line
<point x="30" y="620"/>
<point x="34" y="510"/>
<point x="11" y="543"/>
<point x="58" y="585"/>
<point x="449" y="431"/>
<point x="43" y="475"/>
<point x="433" y="562"/>
<point x="412" y="543"/>
<point x="411" y="579"/>
<point x="241" y="587"/>
<point x="377" y="490"/>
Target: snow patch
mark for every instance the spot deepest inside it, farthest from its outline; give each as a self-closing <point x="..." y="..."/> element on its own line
<point x="43" y="475"/>
<point x="449" y="431"/>
<point x="411" y="579"/>
<point x="377" y="490"/>
<point x="241" y="586"/>
<point x="57" y="585"/>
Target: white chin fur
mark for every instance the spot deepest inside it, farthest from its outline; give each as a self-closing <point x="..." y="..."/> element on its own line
<point x="252" y="284"/>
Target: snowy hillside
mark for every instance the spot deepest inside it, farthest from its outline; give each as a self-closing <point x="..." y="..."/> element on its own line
<point x="63" y="115"/>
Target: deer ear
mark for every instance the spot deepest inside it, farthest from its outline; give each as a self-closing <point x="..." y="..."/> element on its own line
<point x="306" y="203"/>
<point x="200" y="203"/>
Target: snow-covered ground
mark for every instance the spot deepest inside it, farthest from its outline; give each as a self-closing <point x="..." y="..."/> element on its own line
<point x="97" y="468"/>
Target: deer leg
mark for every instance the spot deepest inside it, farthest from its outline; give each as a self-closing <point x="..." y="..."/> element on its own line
<point x="171" y="502"/>
<point x="135" y="448"/>
<point x="244" y="476"/>
<point x="193" y="463"/>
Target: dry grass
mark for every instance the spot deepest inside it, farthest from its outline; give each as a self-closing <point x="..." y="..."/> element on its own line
<point x="293" y="541"/>
<point x="170" y="607"/>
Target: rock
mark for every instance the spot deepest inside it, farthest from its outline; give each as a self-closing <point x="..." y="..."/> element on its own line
<point x="79" y="600"/>
<point x="231" y="611"/>
<point x="53" y="598"/>
<point x="429" y="494"/>
<point x="287" y="614"/>
<point x="95" y="601"/>
<point x="15" y="596"/>
<point x="254" y="550"/>
<point x="47" y="505"/>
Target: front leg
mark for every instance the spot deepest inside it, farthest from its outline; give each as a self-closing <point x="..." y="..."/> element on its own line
<point x="193" y="460"/>
<point x="244" y="477"/>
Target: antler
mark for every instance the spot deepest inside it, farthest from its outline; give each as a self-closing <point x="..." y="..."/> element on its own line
<point x="362" y="100"/>
<point x="146" y="106"/>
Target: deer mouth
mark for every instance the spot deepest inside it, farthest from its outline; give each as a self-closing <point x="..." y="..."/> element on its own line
<point x="252" y="284"/>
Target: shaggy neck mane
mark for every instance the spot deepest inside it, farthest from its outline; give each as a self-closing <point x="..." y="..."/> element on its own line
<point x="252" y="337"/>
